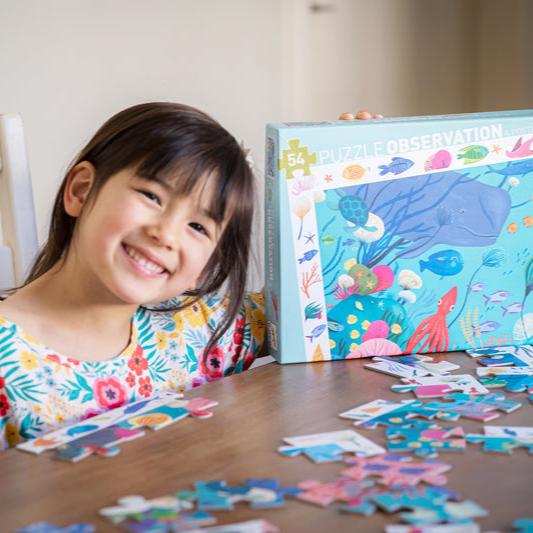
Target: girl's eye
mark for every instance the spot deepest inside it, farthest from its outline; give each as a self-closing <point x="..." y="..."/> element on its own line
<point x="199" y="228"/>
<point x="151" y="196"/>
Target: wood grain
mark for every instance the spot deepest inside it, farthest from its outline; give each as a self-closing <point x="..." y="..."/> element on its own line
<point x="257" y="409"/>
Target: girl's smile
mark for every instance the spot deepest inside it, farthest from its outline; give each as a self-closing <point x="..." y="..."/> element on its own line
<point x="144" y="262"/>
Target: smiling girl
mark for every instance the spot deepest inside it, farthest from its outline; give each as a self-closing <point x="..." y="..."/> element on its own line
<point x="156" y="208"/>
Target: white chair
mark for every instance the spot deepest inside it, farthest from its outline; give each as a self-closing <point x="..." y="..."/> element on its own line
<point x="18" y="237"/>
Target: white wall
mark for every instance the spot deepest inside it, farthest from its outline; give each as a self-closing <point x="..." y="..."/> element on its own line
<point x="67" y="65"/>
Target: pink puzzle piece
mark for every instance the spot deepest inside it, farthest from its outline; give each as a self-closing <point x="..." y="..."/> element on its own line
<point x="323" y="494"/>
<point x="396" y="469"/>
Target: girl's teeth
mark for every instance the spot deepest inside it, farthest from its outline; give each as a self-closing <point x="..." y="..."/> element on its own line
<point x="147" y="264"/>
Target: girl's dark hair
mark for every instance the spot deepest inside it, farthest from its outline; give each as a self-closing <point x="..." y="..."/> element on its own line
<point x="169" y="141"/>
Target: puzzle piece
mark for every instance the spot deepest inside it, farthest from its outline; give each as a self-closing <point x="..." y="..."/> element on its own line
<point x="249" y="526"/>
<point x="511" y="383"/>
<point x="395" y="469"/>
<point x="46" y="527"/>
<point x="426" y="441"/>
<point x="329" y="446"/>
<point x="396" y="414"/>
<point x="481" y="408"/>
<point x="500" y="444"/>
<point x="296" y="158"/>
<point x="435" y="386"/>
<point x="433" y="528"/>
<point x="54" y="439"/>
<point x="105" y="441"/>
<point x="523" y="525"/>
<point x="162" y="521"/>
<point x="430" y="505"/>
<point x="341" y="490"/>
<point x="422" y="363"/>
<point x="504" y="355"/>
<point x="217" y="495"/>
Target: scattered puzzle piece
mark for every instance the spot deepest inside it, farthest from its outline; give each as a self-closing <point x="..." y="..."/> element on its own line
<point x="422" y="363"/>
<point x="433" y="528"/>
<point x="435" y="386"/>
<point x="523" y="525"/>
<point x="250" y="526"/>
<point x="504" y="355"/>
<point x="426" y="441"/>
<point x="395" y="469"/>
<point x="500" y="444"/>
<point x="511" y="383"/>
<point x="330" y="446"/>
<point x="382" y="413"/>
<point x="430" y="505"/>
<point x="104" y="441"/>
<point x="46" y="527"/>
<point x="481" y="408"/>
<point x="340" y="490"/>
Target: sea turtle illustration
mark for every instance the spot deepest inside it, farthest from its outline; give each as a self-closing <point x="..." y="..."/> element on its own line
<point x="354" y="210"/>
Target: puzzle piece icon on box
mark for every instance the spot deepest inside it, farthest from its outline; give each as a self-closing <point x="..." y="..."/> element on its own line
<point x="60" y="436"/>
<point x="499" y="444"/>
<point x="384" y="413"/>
<point x="482" y="408"/>
<point x="523" y="525"/>
<point x="504" y="355"/>
<point x="104" y="441"/>
<point x="330" y="446"/>
<point x="46" y="527"/>
<point x="426" y="441"/>
<point x="430" y="505"/>
<point x="435" y="386"/>
<point x="396" y="469"/>
<point x="423" y="365"/>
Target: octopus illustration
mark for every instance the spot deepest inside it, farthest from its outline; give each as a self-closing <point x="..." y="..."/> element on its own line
<point x="434" y="327"/>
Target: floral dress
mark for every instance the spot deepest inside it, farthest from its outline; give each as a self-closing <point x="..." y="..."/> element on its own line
<point x="41" y="390"/>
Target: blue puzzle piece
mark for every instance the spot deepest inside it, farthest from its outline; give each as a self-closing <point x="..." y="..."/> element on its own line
<point x="511" y="382"/>
<point x="500" y="444"/>
<point x="321" y="453"/>
<point x="505" y="355"/>
<point x="278" y="493"/>
<point x="402" y="416"/>
<point x="523" y="525"/>
<point x="46" y="527"/>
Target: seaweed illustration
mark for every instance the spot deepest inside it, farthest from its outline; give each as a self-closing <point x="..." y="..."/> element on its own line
<point x="470" y="328"/>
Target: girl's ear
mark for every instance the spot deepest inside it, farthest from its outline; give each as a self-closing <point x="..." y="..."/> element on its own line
<point x="79" y="184"/>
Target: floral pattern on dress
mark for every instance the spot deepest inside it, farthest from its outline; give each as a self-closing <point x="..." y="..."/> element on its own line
<point x="41" y="389"/>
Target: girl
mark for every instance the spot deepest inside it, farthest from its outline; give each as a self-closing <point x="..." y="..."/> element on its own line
<point x="158" y="204"/>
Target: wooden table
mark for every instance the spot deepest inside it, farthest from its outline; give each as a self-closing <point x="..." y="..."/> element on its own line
<point x="257" y="409"/>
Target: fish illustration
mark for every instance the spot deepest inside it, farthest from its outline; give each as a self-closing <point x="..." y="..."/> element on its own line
<point x="486" y="327"/>
<point x="521" y="149"/>
<point x="528" y="221"/>
<point x="307" y="256"/>
<point x="512" y="228"/>
<point x="333" y="325"/>
<point x="443" y="263"/>
<point x="473" y="154"/>
<point x="396" y="166"/>
<point x="328" y="239"/>
<point x="478" y="286"/>
<point x="442" y="159"/>
<point x="496" y="297"/>
<point x="512" y="309"/>
<point x="316" y="332"/>
<point x="349" y="242"/>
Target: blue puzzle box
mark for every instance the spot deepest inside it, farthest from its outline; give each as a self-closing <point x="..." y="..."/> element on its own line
<point x="401" y="235"/>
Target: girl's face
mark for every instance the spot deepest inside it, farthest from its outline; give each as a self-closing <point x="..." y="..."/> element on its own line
<point x="141" y="243"/>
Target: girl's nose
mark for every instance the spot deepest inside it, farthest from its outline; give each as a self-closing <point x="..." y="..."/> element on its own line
<point x="164" y="235"/>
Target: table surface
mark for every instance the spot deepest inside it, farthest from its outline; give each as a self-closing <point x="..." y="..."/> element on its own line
<point x="257" y="408"/>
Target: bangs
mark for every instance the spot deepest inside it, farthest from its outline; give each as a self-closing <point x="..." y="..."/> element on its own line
<point x="220" y="181"/>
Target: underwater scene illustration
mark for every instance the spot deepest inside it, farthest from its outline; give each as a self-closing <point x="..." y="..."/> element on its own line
<point x="436" y="261"/>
